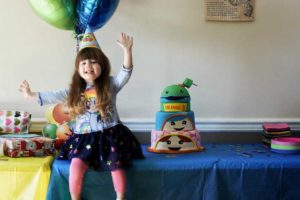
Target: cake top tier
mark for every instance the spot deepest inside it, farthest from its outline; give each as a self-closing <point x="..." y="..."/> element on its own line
<point x="176" y="98"/>
<point x="177" y="90"/>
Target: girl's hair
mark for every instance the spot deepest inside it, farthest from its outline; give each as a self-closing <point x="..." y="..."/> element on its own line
<point x="102" y="84"/>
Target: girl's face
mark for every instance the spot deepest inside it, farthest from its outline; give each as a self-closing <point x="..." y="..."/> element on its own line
<point x="89" y="70"/>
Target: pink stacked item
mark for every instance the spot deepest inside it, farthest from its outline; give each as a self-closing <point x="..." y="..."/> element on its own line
<point x="288" y="145"/>
<point x="275" y="130"/>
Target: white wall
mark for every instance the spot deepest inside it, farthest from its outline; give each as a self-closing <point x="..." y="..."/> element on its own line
<point x="244" y="71"/>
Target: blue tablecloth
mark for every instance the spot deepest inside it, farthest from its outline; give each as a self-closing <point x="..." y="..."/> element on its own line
<point x="221" y="171"/>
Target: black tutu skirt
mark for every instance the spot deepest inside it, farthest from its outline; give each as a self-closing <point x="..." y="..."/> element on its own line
<point x="112" y="149"/>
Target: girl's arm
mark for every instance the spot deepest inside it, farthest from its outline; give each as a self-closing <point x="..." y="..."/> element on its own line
<point x="126" y="42"/>
<point x="123" y="76"/>
<point x="43" y="97"/>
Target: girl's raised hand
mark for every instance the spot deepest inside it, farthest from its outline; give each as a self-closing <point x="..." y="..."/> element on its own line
<point x="26" y="91"/>
<point x="125" y="41"/>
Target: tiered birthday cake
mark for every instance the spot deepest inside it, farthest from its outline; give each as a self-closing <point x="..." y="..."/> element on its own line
<point x="175" y="130"/>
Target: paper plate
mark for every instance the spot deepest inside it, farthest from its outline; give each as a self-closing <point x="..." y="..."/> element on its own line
<point x="285" y="151"/>
<point x="286" y="141"/>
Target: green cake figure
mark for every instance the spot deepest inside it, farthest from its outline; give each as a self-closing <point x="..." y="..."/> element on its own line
<point x="176" y="96"/>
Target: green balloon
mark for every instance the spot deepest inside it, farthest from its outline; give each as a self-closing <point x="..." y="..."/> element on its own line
<point x="59" y="13"/>
<point x="49" y="130"/>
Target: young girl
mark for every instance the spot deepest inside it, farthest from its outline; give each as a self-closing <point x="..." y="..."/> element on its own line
<point x="100" y="140"/>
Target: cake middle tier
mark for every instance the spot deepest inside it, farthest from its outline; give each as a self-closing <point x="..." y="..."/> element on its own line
<point x="175" y="121"/>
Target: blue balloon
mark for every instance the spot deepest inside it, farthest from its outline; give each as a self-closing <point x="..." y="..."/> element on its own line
<point x="94" y="13"/>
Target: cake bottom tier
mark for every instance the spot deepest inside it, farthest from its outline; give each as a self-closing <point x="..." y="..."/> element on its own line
<point x="175" y="142"/>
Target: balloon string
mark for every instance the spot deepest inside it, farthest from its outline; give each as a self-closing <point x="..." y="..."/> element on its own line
<point x="77" y="27"/>
<point x="77" y="32"/>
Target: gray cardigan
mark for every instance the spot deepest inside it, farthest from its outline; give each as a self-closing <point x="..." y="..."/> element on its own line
<point x="90" y="120"/>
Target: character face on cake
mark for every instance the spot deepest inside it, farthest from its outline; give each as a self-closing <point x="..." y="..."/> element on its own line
<point x="175" y="98"/>
<point x="175" y="92"/>
<point x="178" y="123"/>
<point x="175" y="143"/>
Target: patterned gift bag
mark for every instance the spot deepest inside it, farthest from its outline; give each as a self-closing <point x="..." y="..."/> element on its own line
<point x="14" y="121"/>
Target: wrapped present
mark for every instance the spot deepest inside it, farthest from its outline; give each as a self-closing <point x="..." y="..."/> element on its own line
<point x="26" y="145"/>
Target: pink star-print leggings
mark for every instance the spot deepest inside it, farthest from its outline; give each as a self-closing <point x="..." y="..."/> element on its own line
<point x="78" y="169"/>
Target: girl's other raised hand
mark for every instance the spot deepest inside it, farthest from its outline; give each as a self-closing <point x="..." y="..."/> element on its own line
<point x="26" y="91"/>
<point x="125" y="41"/>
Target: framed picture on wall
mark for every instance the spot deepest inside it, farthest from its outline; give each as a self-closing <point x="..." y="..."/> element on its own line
<point x="229" y="10"/>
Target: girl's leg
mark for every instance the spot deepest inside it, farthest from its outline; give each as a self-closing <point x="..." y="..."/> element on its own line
<point x="119" y="181"/>
<point x="77" y="171"/>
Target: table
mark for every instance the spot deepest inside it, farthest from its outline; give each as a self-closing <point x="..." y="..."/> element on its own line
<point x="24" y="178"/>
<point x="221" y="171"/>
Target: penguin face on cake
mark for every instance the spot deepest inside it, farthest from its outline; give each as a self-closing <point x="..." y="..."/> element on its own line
<point x="175" y="143"/>
<point x="178" y="123"/>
